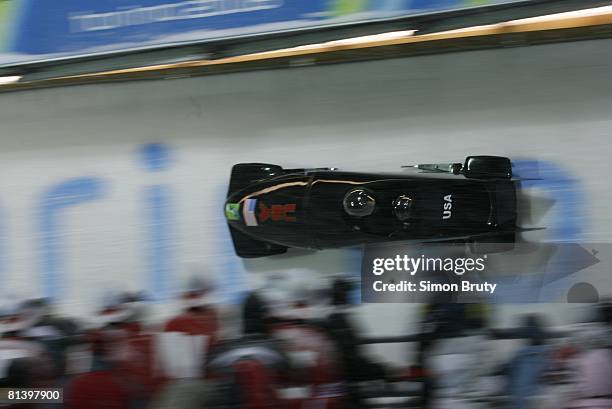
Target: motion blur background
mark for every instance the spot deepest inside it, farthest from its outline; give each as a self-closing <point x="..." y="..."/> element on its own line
<point x="120" y="121"/>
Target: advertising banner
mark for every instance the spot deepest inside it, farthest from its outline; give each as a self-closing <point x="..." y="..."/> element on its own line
<point x="38" y="29"/>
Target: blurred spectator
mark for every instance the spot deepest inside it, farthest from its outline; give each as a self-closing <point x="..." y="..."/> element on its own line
<point x="183" y="347"/>
<point x="319" y="302"/>
<point x="139" y="362"/>
<point x="437" y="319"/>
<point x="255" y="316"/>
<point x="594" y="374"/>
<point x="16" y="355"/>
<point x="316" y="371"/>
<point x="54" y="334"/>
<point x="199" y="315"/>
<point x="528" y="366"/>
<point x="460" y="359"/>
<point x="248" y="372"/>
<point x="593" y="371"/>
<point x="122" y="310"/>
<point x="355" y="365"/>
<point x="119" y="373"/>
<point x="102" y="389"/>
<point x="25" y="358"/>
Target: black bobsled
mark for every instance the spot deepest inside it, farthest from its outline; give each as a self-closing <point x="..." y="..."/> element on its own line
<point x="270" y="209"/>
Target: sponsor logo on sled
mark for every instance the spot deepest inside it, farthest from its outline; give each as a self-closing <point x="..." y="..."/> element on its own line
<point x="277" y="212"/>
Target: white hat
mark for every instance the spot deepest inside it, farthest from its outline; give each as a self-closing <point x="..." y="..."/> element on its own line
<point x="23" y="317"/>
<point x="13" y="324"/>
<point x="287" y="303"/>
<point x="116" y="306"/>
<point x="110" y="315"/>
<point x="198" y="293"/>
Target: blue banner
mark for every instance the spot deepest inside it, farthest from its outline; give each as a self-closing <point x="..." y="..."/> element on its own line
<point x="42" y="29"/>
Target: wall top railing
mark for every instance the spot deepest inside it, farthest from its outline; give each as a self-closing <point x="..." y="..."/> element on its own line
<point x="572" y="26"/>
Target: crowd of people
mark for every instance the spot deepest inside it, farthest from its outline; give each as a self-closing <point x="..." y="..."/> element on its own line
<point x="299" y="348"/>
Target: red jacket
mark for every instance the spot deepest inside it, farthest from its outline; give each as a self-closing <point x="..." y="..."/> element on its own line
<point x="202" y="322"/>
<point x="97" y="390"/>
<point x="315" y="364"/>
<point x="257" y="385"/>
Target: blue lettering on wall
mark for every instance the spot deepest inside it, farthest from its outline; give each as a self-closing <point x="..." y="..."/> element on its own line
<point x="54" y="201"/>
<point x="569" y="213"/>
<point x="564" y="226"/>
<point x="156" y="157"/>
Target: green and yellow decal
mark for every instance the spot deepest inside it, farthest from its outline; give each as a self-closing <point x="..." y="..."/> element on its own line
<point x="232" y="211"/>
